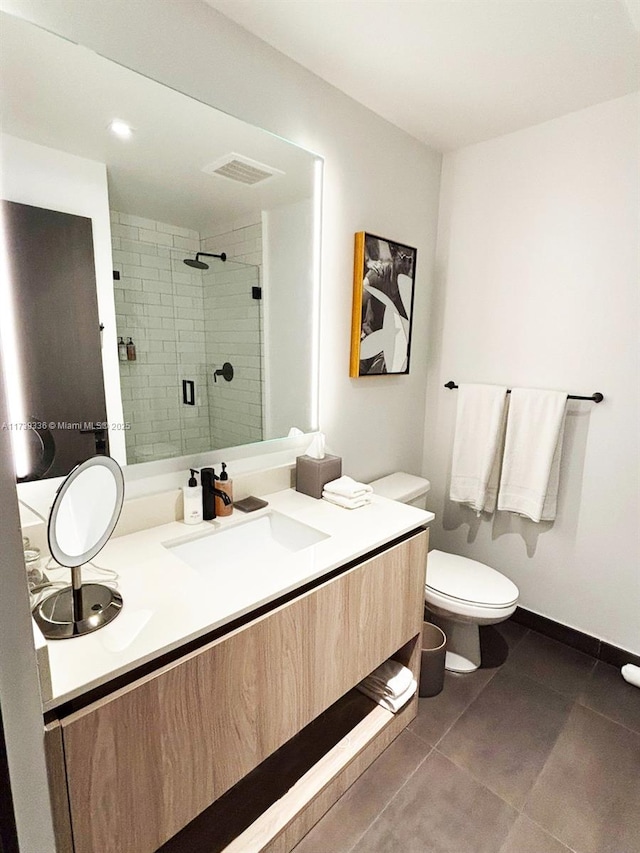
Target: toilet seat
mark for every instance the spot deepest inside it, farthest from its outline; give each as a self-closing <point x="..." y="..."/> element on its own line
<point x="462" y="581"/>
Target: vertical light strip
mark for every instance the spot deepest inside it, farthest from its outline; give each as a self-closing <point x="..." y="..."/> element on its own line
<point x="11" y="363"/>
<point x="318" y="167"/>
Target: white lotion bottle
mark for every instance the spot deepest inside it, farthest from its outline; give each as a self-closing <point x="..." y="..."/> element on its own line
<point x="192" y="500"/>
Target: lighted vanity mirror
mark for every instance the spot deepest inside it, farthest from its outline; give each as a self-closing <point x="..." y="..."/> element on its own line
<point x="188" y="180"/>
<point x="83" y="517"/>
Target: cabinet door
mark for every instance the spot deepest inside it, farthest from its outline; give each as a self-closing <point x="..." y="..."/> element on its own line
<point x="147" y="759"/>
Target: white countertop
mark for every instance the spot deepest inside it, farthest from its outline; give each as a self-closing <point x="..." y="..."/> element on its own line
<point x="167" y="603"/>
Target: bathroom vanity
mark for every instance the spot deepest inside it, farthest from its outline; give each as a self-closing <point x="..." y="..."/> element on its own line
<point x="242" y="733"/>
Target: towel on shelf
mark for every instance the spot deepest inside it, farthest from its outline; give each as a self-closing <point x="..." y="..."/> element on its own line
<point x="389" y="679"/>
<point x="347" y="487"/>
<point x="347" y="503"/>
<point x="533" y="446"/>
<point x="390" y="685"/>
<point x="391" y="703"/>
<point x="479" y="431"/>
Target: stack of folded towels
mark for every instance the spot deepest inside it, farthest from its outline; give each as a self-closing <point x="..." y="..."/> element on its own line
<point x="390" y="685"/>
<point x="347" y="492"/>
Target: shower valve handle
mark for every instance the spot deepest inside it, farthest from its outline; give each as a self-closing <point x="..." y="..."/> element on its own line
<point x="226" y="371"/>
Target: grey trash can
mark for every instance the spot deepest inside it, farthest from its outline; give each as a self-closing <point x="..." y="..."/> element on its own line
<point x="434" y="647"/>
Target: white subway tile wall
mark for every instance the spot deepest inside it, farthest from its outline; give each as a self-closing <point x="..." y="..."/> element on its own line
<point x="155" y="293"/>
<point x="234" y="334"/>
<point x="185" y="324"/>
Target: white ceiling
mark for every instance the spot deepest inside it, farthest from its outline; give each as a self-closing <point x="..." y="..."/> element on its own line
<point x="455" y="72"/>
<point x="62" y="95"/>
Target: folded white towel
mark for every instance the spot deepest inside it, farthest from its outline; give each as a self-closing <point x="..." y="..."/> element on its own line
<point x="389" y="702"/>
<point x="347" y="487"/>
<point x="479" y="432"/>
<point x="347" y="503"/>
<point x="390" y="679"/>
<point x="533" y="446"/>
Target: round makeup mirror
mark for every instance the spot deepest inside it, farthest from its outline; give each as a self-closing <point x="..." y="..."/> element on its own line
<point x="83" y="516"/>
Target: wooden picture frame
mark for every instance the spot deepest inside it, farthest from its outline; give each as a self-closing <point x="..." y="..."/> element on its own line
<point x="383" y="293"/>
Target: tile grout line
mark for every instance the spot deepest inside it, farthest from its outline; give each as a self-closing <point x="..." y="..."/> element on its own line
<point x="479" y="693"/>
<point x="410" y="776"/>
<point x="477" y="779"/>
<point x="497" y="669"/>
<point x="550" y="834"/>
<point x="546" y="761"/>
<point x="463" y="711"/>
<point x="573" y="702"/>
<point x="608" y="718"/>
<point x="553" y="689"/>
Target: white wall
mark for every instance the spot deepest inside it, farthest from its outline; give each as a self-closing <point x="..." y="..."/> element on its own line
<point x="54" y="180"/>
<point x="538" y="286"/>
<point x="288" y="280"/>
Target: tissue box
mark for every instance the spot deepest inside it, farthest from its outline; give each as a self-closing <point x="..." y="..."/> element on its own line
<point x="312" y="474"/>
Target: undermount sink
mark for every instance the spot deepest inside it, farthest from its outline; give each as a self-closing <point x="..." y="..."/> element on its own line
<point x="261" y="539"/>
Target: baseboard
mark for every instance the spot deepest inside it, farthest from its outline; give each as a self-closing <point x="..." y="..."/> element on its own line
<point x="576" y="639"/>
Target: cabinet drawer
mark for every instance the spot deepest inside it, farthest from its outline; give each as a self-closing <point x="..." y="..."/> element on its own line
<point x="144" y="761"/>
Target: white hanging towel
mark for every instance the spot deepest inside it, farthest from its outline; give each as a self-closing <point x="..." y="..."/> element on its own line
<point x="533" y="446"/>
<point x="479" y="432"/>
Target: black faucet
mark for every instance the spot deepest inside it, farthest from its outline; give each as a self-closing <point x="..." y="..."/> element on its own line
<point x="208" y="479"/>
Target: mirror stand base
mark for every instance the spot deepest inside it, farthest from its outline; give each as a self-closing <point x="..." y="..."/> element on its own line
<point x="57" y="619"/>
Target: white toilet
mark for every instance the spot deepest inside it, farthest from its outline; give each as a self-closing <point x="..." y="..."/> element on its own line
<point x="462" y="594"/>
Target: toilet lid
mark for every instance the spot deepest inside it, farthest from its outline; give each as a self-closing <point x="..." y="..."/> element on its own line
<point x="468" y="580"/>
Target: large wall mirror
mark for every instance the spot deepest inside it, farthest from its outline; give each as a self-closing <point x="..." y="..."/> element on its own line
<point x="177" y="181"/>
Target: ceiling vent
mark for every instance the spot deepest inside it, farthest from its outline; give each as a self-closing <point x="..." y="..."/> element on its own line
<point x="243" y="170"/>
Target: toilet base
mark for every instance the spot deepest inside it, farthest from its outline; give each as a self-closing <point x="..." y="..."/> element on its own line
<point x="463" y="644"/>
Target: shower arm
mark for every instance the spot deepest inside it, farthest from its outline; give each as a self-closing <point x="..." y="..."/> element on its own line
<point x="222" y="255"/>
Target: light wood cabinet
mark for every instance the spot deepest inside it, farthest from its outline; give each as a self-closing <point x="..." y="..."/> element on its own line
<point x="144" y="761"/>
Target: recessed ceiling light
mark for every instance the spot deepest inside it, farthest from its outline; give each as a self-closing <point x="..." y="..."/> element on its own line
<point x="120" y="128"/>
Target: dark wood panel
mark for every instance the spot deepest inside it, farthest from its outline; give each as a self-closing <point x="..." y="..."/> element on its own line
<point x="54" y="286"/>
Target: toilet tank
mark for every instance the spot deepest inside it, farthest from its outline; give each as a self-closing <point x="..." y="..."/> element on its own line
<point x="406" y="488"/>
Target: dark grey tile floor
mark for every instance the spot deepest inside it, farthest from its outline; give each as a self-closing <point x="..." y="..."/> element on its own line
<point x="538" y="751"/>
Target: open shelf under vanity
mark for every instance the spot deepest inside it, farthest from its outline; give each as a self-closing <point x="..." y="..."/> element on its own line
<point x="242" y="744"/>
<point x="326" y="756"/>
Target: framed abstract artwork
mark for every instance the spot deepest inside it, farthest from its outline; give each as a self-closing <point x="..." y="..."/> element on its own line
<point x="383" y="290"/>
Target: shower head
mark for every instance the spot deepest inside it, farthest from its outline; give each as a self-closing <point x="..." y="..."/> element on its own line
<point x="200" y="265"/>
<point x="196" y="264"/>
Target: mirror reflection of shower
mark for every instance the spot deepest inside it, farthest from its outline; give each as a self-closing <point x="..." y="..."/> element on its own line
<point x="235" y="334"/>
<point x="189" y="304"/>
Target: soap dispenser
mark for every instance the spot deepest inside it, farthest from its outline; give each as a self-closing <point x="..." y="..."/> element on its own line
<point x="224" y="485"/>
<point x="192" y="499"/>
